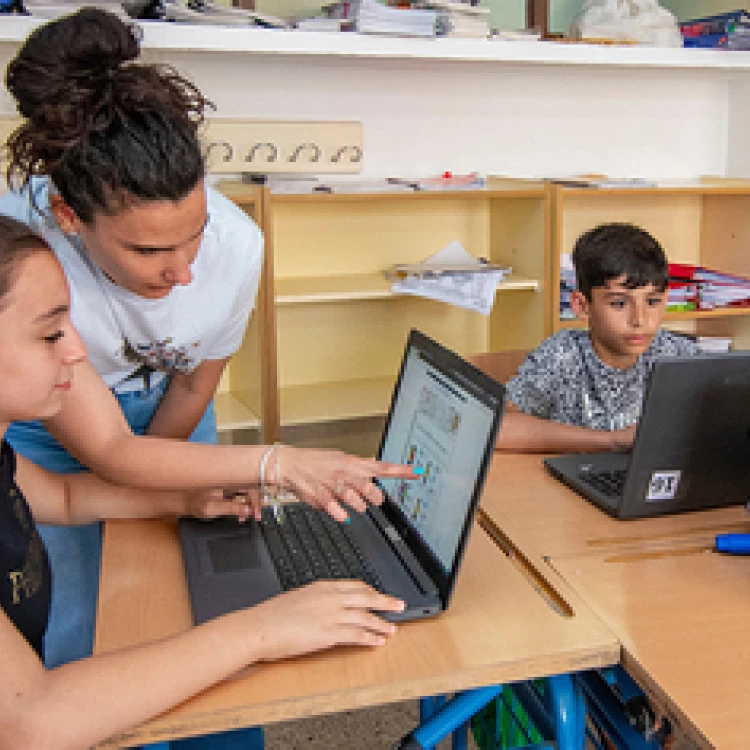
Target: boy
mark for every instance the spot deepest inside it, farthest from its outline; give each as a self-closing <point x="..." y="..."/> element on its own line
<point x="581" y="390"/>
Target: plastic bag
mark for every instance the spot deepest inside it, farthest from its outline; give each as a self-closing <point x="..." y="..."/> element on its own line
<point x="641" y="21"/>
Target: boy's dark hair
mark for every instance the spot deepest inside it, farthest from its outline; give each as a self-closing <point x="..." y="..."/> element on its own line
<point x="613" y="250"/>
<point x="107" y="131"/>
<point x="17" y="242"/>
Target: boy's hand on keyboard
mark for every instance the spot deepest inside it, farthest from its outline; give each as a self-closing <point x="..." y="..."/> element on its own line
<point x="321" y="615"/>
<point x="622" y="440"/>
<point x="329" y="480"/>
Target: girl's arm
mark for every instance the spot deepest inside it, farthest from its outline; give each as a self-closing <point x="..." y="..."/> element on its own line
<point x="74" y="499"/>
<point x="84" y="702"/>
<point x="92" y="427"/>
<point x="523" y="433"/>
<point x="186" y="399"/>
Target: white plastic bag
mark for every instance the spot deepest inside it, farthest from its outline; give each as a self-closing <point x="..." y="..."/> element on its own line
<point x="642" y="21"/>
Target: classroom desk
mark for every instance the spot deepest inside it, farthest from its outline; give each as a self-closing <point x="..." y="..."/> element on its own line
<point x="497" y="630"/>
<point x="541" y="514"/>
<point x="683" y="619"/>
<point x="681" y="612"/>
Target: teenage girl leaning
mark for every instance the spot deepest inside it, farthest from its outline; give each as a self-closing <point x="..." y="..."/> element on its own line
<point x="80" y="704"/>
<point x="163" y="273"/>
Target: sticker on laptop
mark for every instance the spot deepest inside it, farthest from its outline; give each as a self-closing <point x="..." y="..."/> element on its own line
<point x="663" y="486"/>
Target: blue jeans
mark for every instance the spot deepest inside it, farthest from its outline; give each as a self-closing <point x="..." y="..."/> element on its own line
<point x="75" y="551"/>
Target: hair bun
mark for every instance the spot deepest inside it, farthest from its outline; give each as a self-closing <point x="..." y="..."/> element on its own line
<point x="70" y="55"/>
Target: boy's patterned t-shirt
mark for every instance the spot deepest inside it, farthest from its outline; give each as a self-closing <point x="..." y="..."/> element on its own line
<point x="565" y="381"/>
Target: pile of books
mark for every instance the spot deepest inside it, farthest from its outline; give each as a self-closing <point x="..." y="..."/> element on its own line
<point x="698" y="288"/>
<point x="723" y="31"/>
<point x="374" y="18"/>
<point x="567" y="286"/>
<point x="459" y="18"/>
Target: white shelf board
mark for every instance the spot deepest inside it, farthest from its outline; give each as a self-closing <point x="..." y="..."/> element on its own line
<point x="232" y="414"/>
<point x="344" y="288"/>
<point x="328" y="402"/>
<point x="232" y="39"/>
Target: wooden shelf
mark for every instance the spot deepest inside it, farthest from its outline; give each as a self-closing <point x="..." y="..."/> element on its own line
<point x="351" y="287"/>
<point x="335" y="400"/>
<point x="232" y="414"/>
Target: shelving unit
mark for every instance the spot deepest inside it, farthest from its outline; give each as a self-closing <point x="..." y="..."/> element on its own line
<point x="239" y="400"/>
<point x="706" y="222"/>
<point x="332" y="332"/>
<point x="325" y="342"/>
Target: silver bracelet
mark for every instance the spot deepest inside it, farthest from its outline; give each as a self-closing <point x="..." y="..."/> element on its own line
<point x="262" y="473"/>
<point x="278" y="508"/>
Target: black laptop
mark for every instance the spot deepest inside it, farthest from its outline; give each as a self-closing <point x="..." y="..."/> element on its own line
<point x="444" y="418"/>
<point x="692" y="445"/>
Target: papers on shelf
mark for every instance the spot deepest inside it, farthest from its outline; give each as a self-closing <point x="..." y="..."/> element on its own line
<point x="374" y="18"/>
<point x="602" y="182"/>
<point x="453" y="276"/>
<point x="712" y="289"/>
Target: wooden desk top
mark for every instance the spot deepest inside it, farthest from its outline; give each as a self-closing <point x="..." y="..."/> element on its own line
<point x="543" y="516"/>
<point x="681" y="613"/>
<point x="498" y="629"/>
<point x="683" y="619"/>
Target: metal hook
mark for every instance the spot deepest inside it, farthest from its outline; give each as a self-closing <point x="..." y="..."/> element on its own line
<point x="304" y="147"/>
<point x="355" y="157"/>
<point x="224" y="145"/>
<point x="273" y="151"/>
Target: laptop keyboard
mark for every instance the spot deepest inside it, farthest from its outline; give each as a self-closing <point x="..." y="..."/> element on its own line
<point x="610" y="482"/>
<point x="309" y="545"/>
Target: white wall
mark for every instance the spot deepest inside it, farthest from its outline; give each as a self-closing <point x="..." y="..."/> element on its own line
<point x="422" y="117"/>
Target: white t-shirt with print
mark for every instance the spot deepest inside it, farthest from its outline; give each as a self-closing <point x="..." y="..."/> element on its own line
<point x="201" y="321"/>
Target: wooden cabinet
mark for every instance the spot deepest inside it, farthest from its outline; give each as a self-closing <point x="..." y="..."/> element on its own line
<point x="330" y="330"/>
<point x="706" y="223"/>
<point x="324" y="344"/>
<point x="241" y="402"/>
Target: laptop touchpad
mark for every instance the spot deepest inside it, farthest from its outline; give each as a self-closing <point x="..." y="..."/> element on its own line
<point x="232" y="553"/>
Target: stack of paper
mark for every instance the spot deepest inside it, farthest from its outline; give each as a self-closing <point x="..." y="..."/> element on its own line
<point x="567" y="286"/>
<point x="454" y="276"/>
<point x="714" y="344"/>
<point x="374" y="18"/>
<point x="458" y="18"/>
<point x="682" y="295"/>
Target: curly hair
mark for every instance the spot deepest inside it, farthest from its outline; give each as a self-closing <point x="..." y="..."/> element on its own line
<point x="107" y="131"/>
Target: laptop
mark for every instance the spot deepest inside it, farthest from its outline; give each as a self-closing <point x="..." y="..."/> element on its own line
<point x="691" y="449"/>
<point x="444" y="417"/>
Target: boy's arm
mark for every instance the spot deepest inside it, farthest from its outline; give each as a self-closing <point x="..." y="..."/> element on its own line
<point x="523" y="433"/>
<point x="71" y="499"/>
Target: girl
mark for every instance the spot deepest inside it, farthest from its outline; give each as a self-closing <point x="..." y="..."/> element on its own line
<point x="163" y="273"/>
<point x="80" y="704"/>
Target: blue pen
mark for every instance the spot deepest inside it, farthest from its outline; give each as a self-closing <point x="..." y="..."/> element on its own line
<point x="733" y="544"/>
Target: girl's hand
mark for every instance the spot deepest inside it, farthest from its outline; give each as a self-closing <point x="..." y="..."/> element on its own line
<point x="210" y="504"/>
<point x="325" y="479"/>
<point x="321" y="615"/>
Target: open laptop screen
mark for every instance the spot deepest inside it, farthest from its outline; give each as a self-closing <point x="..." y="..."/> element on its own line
<point x="443" y="418"/>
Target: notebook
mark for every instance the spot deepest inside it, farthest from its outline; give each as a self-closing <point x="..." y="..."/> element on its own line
<point x="692" y="445"/>
<point x="444" y="417"/>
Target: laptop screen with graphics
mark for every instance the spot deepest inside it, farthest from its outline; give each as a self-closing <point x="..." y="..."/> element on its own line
<point x="443" y="420"/>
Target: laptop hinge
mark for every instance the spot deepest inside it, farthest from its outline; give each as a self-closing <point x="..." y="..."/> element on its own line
<point x="421" y="580"/>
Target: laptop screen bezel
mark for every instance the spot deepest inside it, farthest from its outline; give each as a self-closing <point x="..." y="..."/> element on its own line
<point x="492" y="393"/>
